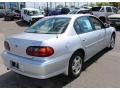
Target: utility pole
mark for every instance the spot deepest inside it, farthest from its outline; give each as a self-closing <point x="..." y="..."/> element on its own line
<point x="74" y="4"/>
<point x="50" y="4"/>
<point x="34" y="4"/>
<point x="65" y="4"/>
<point x="78" y="4"/>
<point x="55" y="4"/>
<point x="46" y="9"/>
<point x="5" y="6"/>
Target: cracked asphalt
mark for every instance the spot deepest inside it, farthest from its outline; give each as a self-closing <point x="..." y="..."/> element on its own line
<point x="101" y="71"/>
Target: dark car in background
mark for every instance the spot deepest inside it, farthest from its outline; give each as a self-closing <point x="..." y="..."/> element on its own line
<point x="2" y="14"/>
<point x="12" y="14"/>
<point x="50" y="12"/>
<point x="53" y="12"/>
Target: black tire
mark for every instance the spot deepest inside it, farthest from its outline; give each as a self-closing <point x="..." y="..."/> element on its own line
<point x="71" y="72"/>
<point x="112" y="42"/>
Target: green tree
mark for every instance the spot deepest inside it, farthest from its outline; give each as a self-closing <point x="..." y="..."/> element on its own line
<point x="103" y="4"/>
<point x="115" y="4"/>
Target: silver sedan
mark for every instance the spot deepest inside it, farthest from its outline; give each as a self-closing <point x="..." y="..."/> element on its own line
<point x="56" y="45"/>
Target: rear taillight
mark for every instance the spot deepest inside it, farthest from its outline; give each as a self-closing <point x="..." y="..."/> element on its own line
<point x="6" y="45"/>
<point x="43" y="51"/>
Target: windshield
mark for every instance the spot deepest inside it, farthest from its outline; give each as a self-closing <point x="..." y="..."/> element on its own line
<point x="34" y="13"/>
<point x="49" y="26"/>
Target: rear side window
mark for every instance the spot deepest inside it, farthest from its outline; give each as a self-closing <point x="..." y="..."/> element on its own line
<point x="84" y="25"/>
<point x="108" y="9"/>
<point x="77" y="27"/>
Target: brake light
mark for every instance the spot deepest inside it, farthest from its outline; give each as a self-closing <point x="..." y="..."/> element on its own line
<point x="6" y="45"/>
<point x="43" y="51"/>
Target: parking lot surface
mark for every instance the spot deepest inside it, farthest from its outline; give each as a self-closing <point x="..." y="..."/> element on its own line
<point x="103" y="70"/>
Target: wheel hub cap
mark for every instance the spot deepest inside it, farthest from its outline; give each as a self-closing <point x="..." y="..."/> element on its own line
<point x="77" y="63"/>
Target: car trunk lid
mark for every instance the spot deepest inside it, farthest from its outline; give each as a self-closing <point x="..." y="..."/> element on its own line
<point x="20" y="42"/>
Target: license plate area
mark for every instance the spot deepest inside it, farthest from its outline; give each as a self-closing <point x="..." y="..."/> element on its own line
<point x="14" y="65"/>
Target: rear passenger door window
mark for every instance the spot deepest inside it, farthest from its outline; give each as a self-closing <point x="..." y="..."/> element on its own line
<point x="97" y="24"/>
<point x="85" y="24"/>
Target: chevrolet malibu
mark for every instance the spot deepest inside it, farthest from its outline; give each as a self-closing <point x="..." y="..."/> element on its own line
<point x="57" y="45"/>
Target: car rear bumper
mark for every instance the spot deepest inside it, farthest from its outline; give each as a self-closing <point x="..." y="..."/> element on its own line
<point x="33" y="68"/>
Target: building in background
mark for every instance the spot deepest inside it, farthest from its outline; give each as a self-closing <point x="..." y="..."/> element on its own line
<point x="52" y="5"/>
<point x="38" y="5"/>
<point x="12" y="5"/>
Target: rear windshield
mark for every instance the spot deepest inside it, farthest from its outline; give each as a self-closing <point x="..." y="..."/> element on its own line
<point x="49" y="26"/>
<point x="95" y="8"/>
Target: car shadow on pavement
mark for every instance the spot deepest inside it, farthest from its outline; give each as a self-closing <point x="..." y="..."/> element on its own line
<point x="22" y="23"/>
<point x="95" y="58"/>
<point x="11" y="79"/>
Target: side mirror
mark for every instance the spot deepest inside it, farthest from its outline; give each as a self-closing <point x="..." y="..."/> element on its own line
<point x="107" y="25"/>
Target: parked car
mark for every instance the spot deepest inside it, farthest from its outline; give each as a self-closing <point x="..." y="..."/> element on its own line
<point x="1" y="14"/>
<point x="12" y="14"/>
<point x="53" y="12"/>
<point x="81" y="11"/>
<point x="103" y="12"/>
<point x="31" y="15"/>
<point x="115" y="19"/>
<point x="65" y="10"/>
<point x="57" y="44"/>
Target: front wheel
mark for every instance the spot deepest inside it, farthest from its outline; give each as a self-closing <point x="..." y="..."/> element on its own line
<point x="112" y="42"/>
<point x="75" y="65"/>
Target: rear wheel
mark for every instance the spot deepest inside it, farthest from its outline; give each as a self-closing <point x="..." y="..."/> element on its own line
<point x="75" y="65"/>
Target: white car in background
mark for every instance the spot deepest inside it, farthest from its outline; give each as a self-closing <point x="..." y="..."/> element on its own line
<point x="56" y="45"/>
<point x="102" y="12"/>
<point x="31" y="15"/>
<point x="115" y="19"/>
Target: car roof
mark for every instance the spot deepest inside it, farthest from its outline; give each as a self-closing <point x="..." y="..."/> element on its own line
<point x="71" y="15"/>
